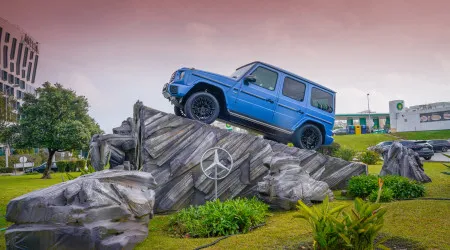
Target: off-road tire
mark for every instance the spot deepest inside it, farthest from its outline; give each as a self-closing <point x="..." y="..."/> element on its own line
<point x="203" y="107"/>
<point x="308" y="136"/>
<point x="178" y="112"/>
<point x="444" y="149"/>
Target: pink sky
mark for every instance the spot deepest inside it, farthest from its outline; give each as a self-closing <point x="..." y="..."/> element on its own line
<point x="116" y="52"/>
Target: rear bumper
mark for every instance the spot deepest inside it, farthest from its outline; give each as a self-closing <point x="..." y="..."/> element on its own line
<point x="425" y="153"/>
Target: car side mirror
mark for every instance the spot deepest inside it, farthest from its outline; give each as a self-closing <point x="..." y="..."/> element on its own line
<point x="249" y="78"/>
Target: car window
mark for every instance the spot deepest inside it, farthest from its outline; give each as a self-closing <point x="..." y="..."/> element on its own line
<point x="322" y="100"/>
<point x="265" y="78"/>
<point x="294" y="89"/>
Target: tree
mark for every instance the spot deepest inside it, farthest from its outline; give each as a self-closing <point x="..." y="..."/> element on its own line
<point x="57" y="119"/>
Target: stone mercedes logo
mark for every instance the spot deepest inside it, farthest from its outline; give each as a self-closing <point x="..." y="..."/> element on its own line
<point x="219" y="168"/>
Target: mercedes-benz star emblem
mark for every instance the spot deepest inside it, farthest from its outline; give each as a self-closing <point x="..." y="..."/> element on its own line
<point x="216" y="170"/>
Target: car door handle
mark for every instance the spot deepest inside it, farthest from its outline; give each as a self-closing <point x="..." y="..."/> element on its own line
<point x="301" y="112"/>
<point x="270" y="100"/>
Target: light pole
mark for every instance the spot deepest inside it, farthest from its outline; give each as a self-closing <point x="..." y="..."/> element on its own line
<point x="6" y="122"/>
<point x="368" y="108"/>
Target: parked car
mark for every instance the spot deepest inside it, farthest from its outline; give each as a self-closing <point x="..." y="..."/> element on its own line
<point x="439" y="145"/>
<point x="280" y="105"/>
<point x="41" y="168"/>
<point x="340" y="131"/>
<point x="423" y="148"/>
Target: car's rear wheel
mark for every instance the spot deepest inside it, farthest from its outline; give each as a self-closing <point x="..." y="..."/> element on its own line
<point x="202" y="106"/>
<point x="444" y="149"/>
<point x="308" y="136"/>
<point x="427" y="158"/>
<point x="178" y="112"/>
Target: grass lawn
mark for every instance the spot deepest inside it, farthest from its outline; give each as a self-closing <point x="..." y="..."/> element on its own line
<point x="424" y="221"/>
<point x="425" y="135"/>
<point x="362" y="142"/>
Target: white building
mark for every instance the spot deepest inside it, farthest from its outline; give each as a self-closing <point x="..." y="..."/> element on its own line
<point x="434" y="116"/>
<point x="19" y="56"/>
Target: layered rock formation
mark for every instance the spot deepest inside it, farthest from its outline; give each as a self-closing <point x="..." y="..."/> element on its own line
<point x="109" y="209"/>
<point x="287" y="183"/>
<point x="170" y="147"/>
<point x="399" y="160"/>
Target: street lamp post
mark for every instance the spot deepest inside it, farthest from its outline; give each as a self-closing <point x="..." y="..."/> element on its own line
<point x="6" y="120"/>
<point x="368" y="109"/>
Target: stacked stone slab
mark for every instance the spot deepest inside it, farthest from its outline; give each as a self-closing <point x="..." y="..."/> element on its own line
<point x="399" y="160"/>
<point x="109" y="209"/>
<point x="170" y="147"/>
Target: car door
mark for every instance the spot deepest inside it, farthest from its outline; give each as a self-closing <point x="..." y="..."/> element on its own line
<point x="291" y="106"/>
<point x="257" y="100"/>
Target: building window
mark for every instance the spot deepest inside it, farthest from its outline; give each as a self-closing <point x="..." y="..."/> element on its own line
<point x="17" y="81"/>
<point x="5" y="57"/>
<point x="265" y="78"/>
<point x="294" y="89"/>
<point x="4" y="75"/>
<point x="1" y="34"/>
<point x="1" y="87"/>
<point x="34" y="69"/>
<point x="22" y="84"/>
<point x="19" y="58"/>
<point x="13" y="49"/>
<point x="29" y="71"/>
<point x="322" y="100"/>
<point x="31" y="55"/>
<point x="7" y="37"/>
<point x="23" y="73"/>
<point x="25" y="57"/>
<point x="10" y="79"/>
<point x="18" y="94"/>
<point x="11" y="67"/>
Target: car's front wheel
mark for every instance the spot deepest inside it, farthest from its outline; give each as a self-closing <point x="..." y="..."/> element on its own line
<point x="444" y="149"/>
<point x="308" y="136"/>
<point x="202" y="106"/>
<point x="178" y="112"/>
<point x="427" y="158"/>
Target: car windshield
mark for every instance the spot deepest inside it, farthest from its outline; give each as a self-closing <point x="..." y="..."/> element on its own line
<point x="241" y="71"/>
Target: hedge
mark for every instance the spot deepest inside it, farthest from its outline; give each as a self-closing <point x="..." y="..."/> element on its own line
<point x="70" y="166"/>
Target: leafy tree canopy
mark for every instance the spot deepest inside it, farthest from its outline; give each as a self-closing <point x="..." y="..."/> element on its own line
<point x="57" y="119"/>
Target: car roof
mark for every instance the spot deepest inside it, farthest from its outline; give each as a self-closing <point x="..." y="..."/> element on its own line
<point x="290" y="73"/>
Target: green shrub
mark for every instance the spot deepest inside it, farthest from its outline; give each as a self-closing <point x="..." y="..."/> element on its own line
<point x="402" y="188"/>
<point x="6" y="170"/>
<point x="386" y="195"/>
<point x="61" y="165"/>
<point x="345" y="153"/>
<point x="362" y="185"/>
<point x="216" y="218"/>
<point x="80" y="164"/>
<point x="369" y="157"/>
<point x="329" y="150"/>
<point x="354" y="230"/>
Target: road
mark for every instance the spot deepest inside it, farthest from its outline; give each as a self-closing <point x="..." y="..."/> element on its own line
<point x="439" y="157"/>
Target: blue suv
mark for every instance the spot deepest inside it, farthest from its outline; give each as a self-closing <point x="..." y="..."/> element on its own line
<point x="282" y="106"/>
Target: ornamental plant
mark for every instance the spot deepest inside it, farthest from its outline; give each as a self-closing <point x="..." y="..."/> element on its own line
<point x="216" y="218"/>
<point x="334" y="228"/>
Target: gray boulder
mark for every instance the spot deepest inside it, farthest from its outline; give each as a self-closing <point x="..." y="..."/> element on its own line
<point x="170" y="147"/>
<point x="287" y="183"/>
<point x="109" y="209"/>
<point x="399" y="160"/>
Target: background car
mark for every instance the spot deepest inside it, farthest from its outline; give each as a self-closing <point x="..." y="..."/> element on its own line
<point x="422" y="148"/>
<point x="439" y="145"/>
<point x="41" y="168"/>
<point x="340" y="131"/>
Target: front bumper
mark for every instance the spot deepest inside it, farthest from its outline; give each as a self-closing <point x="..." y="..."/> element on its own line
<point x="175" y="101"/>
<point x="328" y="140"/>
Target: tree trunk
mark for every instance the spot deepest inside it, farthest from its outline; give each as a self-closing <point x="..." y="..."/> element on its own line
<point x="46" y="174"/>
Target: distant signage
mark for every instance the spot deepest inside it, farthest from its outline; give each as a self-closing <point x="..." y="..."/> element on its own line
<point x="30" y="42"/>
<point x="435" y="116"/>
<point x="24" y="165"/>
